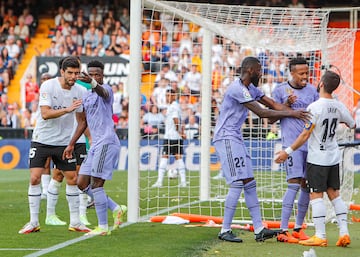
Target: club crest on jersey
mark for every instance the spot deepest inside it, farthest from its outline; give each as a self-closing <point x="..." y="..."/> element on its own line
<point x="307" y="125"/>
<point x="43" y="96"/>
<point x="246" y="94"/>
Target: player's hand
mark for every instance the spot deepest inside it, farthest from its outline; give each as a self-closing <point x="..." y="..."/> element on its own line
<point x="280" y="156"/>
<point x="76" y="104"/>
<point x="291" y="99"/>
<point x="67" y="154"/>
<point x="85" y="77"/>
<point x="302" y="115"/>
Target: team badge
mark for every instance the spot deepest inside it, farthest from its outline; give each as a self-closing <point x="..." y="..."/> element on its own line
<point x="308" y="125"/>
<point x="246" y="94"/>
<point x="43" y="96"/>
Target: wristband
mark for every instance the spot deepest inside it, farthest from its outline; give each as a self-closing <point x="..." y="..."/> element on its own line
<point x="93" y="83"/>
<point x="289" y="150"/>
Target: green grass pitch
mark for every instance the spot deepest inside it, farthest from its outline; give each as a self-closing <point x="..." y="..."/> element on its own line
<point x="140" y="239"/>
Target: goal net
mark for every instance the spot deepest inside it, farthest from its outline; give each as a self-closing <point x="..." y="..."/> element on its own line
<point x="180" y="38"/>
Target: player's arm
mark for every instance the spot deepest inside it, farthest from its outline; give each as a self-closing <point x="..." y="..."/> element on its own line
<point x="95" y="85"/>
<point x="80" y="129"/>
<point x="49" y="113"/>
<point x="282" y="155"/>
<point x="179" y="128"/>
<point x="255" y="107"/>
<point x="272" y="104"/>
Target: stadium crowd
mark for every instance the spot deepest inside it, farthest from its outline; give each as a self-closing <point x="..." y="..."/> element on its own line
<point x="171" y="49"/>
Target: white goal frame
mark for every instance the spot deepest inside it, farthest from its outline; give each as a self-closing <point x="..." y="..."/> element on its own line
<point x="134" y="92"/>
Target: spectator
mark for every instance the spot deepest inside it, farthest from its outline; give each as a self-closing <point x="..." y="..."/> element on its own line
<point x="76" y="38"/>
<point x="192" y="128"/>
<point x="59" y="15"/>
<point x="14" y="49"/>
<point x="26" y="120"/>
<point x="95" y="17"/>
<point x="13" y="119"/>
<point x="165" y="72"/>
<point x="81" y="23"/>
<point x="152" y="121"/>
<point x="22" y="31"/>
<point x="118" y="96"/>
<point x="158" y="96"/>
<point x="114" y="48"/>
<point x="4" y="103"/>
<point x="4" y="75"/>
<point x="91" y="36"/>
<point x="124" y="18"/>
<point x="28" y="17"/>
<point x="10" y="17"/>
<point x="67" y="15"/>
<point x="103" y="38"/>
<point x="193" y="80"/>
<point x="31" y="90"/>
<point x="4" y="30"/>
<point x="70" y="46"/>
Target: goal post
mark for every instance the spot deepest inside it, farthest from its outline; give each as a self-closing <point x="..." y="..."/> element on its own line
<point x="223" y="34"/>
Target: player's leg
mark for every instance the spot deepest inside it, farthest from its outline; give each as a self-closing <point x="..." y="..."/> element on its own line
<point x="37" y="158"/>
<point x="52" y="199"/>
<point x="103" y="164"/>
<point x="340" y="208"/>
<point x="163" y="164"/>
<point x="316" y="179"/>
<point x="294" y="173"/>
<point x="302" y="205"/>
<point x="68" y="168"/>
<point x="177" y="151"/>
<point x="227" y="152"/>
<point x="80" y="155"/>
<point x="45" y="179"/>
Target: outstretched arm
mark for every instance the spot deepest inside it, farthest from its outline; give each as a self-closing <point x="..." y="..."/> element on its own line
<point x="102" y="92"/>
<point x="282" y="155"/>
<point x="255" y="107"/>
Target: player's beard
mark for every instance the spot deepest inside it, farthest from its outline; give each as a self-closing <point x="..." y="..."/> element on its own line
<point x="255" y="80"/>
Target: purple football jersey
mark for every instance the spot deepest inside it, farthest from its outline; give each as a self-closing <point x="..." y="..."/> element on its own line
<point x="232" y="111"/>
<point x="292" y="127"/>
<point x="99" y="117"/>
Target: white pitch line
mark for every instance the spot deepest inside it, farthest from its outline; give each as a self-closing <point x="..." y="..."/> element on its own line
<point x="66" y="243"/>
<point x="20" y="249"/>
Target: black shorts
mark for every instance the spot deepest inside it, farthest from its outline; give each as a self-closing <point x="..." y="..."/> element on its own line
<point x="80" y="152"/>
<point x="172" y="147"/>
<point x="39" y="153"/>
<point x="320" y="178"/>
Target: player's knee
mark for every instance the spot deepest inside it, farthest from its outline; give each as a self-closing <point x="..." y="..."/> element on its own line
<point x="249" y="184"/>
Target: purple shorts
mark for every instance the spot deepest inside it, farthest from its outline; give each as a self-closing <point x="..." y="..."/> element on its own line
<point x="235" y="160"/>
<point x="295" y="165"/>
<point x="101" y="161"/>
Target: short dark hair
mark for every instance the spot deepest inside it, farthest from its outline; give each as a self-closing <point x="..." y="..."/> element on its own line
<point x="96" y="64"/>
<point x="331" y="81"/>
<point x="249" y="62"/>
<point x="295" y="61"/>
<point x="69" y="62"/>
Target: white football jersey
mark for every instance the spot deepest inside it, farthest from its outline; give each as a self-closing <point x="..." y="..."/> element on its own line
<point x="173" y="111"/>
<point x="322" y="145"/>
<point x="57" y="131"/>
